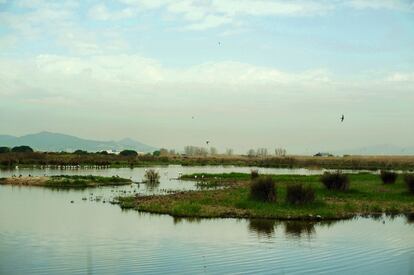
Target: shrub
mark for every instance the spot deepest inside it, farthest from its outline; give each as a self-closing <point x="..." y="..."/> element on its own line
<point x="4" y="150"/>
<point x="335" y="181"/>
<point x="128" y="153"/>
<point x="151" y="176"/>
<point x="22" y="149"/>
<point x="388" y="177"/>
<point x="254" y="174"/>
<point x="409" y="180"/>
<point x="298" y="194"/>
<point x="80" y="152"/>
<point x="263" y="189"/>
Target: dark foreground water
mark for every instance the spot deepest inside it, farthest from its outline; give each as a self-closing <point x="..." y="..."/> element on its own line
<point x="42" y="232"/>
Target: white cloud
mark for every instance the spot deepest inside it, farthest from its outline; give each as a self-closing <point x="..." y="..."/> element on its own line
<point x="400" y="77"/>
<point x="101" y="12"/>
<point x="404" y="5"/>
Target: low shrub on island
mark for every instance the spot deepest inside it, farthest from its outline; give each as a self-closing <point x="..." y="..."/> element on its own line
<point x="409" y="181"/>
<point x="254" y="174"/>
<point x="388" y="177"/>
<point x="335" y="181"/>
<point x="263" y="189"/>
<point x="151" y="176"/>
<point x="299" y="194"/>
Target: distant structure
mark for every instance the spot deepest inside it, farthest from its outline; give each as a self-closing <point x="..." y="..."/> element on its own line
<point x="323" y="154"/>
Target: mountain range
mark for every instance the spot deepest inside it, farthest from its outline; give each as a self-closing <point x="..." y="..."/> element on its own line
<point x="55" y="142"/>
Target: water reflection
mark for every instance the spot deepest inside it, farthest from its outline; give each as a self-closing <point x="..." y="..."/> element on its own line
<point x="178" y="220"/>
<point x="298" y="229"/>
<point x="151" y="186"/>
<point x="409" y="218"/>
<point x="263" y="227"/>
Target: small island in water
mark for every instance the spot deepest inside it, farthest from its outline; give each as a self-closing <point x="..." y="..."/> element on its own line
<point x="65" y="181"/>
<point x="288" y="197"/>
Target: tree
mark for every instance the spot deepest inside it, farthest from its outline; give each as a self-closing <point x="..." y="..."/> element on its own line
<point x="80" y="152"/>
<point x="229" y="151"/>
<point x="4" y="150"/>
<point x="213" y="151"/>
<point x="22" y="149"/>
<point x="128" y="153"/>
<point x="261" y="152"/>
<point x="251" y="153"/>
<point x="156" y="153"/>
<point x="280" y="152"/>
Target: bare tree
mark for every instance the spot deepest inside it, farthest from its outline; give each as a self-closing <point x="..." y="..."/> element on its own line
<point x="261" y="152"/>
<point x="280" y="152"/>
<point x="229" y="152"/>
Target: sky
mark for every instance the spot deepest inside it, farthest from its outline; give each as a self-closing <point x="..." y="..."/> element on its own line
<point x="239" y="73"/>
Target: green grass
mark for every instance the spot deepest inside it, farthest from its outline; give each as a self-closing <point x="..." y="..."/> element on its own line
<point x="367" y="195"/>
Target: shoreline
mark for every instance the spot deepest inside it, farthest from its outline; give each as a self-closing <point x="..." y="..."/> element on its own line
<point x="43" y="159"/>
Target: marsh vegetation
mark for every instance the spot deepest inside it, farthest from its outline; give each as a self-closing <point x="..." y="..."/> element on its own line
<point x="298" y="197"/>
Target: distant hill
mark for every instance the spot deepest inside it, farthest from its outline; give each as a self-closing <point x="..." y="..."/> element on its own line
<point x="55" y="142"/>
<point x="381" y="149"/>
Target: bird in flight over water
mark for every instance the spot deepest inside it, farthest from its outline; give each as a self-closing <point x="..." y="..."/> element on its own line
<point x="342" y="118"/>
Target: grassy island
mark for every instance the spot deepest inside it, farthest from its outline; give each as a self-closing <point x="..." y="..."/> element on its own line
<point x="66" y="181"/>
<point x="366" y="195"/>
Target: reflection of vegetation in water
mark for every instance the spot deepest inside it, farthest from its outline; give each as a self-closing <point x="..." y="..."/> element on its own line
<point x="299" y="228"/>
<point x="263" y="227"/>
<point x="409" y="218"/>
<point x="151" y="185"/>
<point x="178" y="220"/>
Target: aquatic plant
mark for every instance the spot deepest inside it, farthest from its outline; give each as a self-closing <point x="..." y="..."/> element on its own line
<point x="263" y="189"/>
<point x="409" y="181"/>
<point x="151" y="176"/>
<point x="388" y="177"/>
<point x="254" y="173"/>
<point x="298" y="194"/>
<point x="335" y="181"/>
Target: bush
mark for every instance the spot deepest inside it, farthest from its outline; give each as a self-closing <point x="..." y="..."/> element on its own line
<point x="22" y="149"/>
<point x="254" y="174"/>
<point x="128" y="153"/>
<point x="388" y="177"/>
<point x="409" y="180"/>
<point x="263" y="189"/>
<point x="80" y="152"/>
<point x="151" y="176"/>
<point x="335" y="181"/>
<point x="298" y="194"/>
<point x="4" y="150"/>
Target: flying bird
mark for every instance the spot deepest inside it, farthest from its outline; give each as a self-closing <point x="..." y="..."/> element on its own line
<point x="207" y="142"/>
<point x="342" y="118"/>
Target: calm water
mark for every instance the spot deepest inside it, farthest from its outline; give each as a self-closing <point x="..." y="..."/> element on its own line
<point x="42" y="232"/>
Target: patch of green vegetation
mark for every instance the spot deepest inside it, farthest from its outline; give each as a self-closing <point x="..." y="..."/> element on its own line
<point x="366" y="195"/>
<point x="69" y="181"/>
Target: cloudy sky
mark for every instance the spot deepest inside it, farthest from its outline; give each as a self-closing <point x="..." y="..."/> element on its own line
<point x="263" y="73"/>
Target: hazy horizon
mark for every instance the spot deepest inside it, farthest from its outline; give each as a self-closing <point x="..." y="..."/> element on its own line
<point x="241" y="74"/>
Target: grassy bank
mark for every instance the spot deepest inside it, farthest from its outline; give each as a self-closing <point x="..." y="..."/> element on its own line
<point x="65" y="181"/>
<point x="367" y="195"/>
<point x="67" y="159"/>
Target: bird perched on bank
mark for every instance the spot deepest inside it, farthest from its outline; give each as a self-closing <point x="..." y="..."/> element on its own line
<point x="342" y="118"/>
